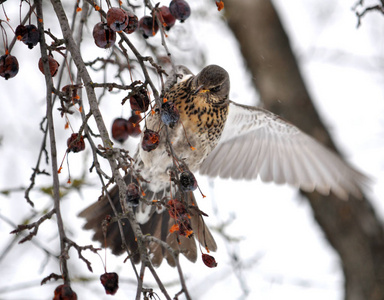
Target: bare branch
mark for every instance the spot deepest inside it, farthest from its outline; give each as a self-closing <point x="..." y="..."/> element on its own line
<point x="80" y="249"/>
<point x="49" y="277"/>
<point x="34" y="226"/>
<point x="52" y="139"/>
<point x="379" y="8"/>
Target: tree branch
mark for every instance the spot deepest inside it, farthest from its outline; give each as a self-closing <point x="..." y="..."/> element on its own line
<point x="52" y="139"/>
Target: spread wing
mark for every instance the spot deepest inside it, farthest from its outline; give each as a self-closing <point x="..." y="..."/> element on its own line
<point x="256" y="142"/>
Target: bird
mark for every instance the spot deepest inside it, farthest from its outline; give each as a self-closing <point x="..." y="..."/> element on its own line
<point x="217" y="137"/>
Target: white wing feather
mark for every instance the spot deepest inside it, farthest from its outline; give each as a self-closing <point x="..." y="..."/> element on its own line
<point x="256" y="143"/>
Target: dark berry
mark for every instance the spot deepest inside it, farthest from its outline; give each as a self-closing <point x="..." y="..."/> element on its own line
<point x="120" y="130"/>
<point x="110" y="281"/>
<point x="70" y="91"/>
<point x="148" y="26"/>
<point x="104" y="36"/>
<point x="9" y="66"/>
<point x="188" y="181"/>
<point x="209" y="261"/>
<point x="169" y="114"/>
<point x="166" y="17"/>
<point x="20" y="31"/>
<point x="151" y="140"/>
<point x="133" y="194"/>
<point x="180" y="9"/>
<point x="139" y="101"/>
<point x="53" y="65"/>
<point x="117" y="19"/>
<point x="133" y="23"/>
<point x="134" y="126"/>
<point x="28" y="34"/>
<point x="75" y="144"/>
<point x="64" y="292"/>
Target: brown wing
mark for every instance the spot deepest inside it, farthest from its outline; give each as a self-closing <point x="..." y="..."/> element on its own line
<point x="157" y="224"/>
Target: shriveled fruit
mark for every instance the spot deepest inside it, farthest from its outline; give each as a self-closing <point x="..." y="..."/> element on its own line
<point x="75" y="144"/>
<point x="20" y="31"/>
<point x="180" y="9"/>
<point x="120" y="130"/>
<point x="117" y="19"/>
<point x="103" y="36"/>
<point x="133" y="23"/>
<point x="133" y="194"/>
<point x="28" y="34"/>
<point x="64" y="292"/>
<point x="134" y="126"/>
<point x="139" y="101"/>
<point x="70" y="91"/>
<point x="148" y="26"/>
<point x="188" y="181"/>
<point x="169" y="114"/>
<point x="167" y="18"/>
<point x="110" y="281"/>
<point x="9" y="66"/>
<point x="53" y="66"/>
<point x="151" y="140"/>
<point x="209" y="261"/>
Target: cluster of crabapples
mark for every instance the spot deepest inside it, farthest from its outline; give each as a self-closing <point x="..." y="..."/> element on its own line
<point x="30" y="36"/>
<point x="139" y="102"/>
<point x="104" y="33"/>
<point x="123" y="128"/>
<point x="120" y="20"/>
<point x="9" y="65"/>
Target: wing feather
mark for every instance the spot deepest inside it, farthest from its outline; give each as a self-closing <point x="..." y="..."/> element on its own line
<point x="256" y="142"/>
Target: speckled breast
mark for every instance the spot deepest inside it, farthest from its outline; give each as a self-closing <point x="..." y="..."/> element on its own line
<point x="195" y="135"/>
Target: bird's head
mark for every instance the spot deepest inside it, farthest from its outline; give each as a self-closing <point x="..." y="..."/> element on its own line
<point x="213" y="81"/>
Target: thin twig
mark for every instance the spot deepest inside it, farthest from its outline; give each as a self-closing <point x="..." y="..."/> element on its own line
<point x="85" y="127"/>
<point x="35" y="226"/>
<point x="33" y="241"/>
<point x="52" y="139"/>
<point x="360" y="15"/>
<point x="139" y="288"/>
<point x="79" y="249"/>
<point x="177" y="262"/>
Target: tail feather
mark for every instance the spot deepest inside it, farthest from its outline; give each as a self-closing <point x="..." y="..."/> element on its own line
<point x="96" y="213"/>
<point x="185" y="245"/>
<point x="201" y="230"/>
<point x="158" y="224"/>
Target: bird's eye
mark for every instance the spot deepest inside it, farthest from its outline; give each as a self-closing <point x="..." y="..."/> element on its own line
<point x="216" y="89"/>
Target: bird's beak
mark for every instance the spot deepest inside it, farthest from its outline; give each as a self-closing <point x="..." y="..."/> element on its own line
<point x="200" y="90"/>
